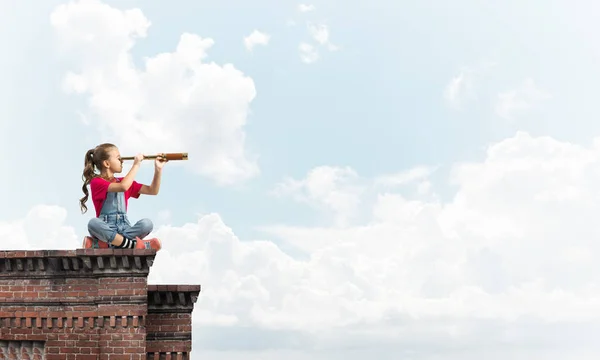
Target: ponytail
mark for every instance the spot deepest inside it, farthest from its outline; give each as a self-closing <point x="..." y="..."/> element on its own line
<point x="93" y="158"/>
<point x="88" y="175"/>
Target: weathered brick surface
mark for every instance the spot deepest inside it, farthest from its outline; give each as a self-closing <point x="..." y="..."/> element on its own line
<point x="33" y="350"/>
<point x="169" y="321"/>
<point x="90" y="304"/>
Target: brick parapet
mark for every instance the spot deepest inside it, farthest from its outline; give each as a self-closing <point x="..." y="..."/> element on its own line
<point x="169" y="322"/>
<point x="172" y="298"/>
<point x="37" y="264"/>
<point x="91" y="303"/>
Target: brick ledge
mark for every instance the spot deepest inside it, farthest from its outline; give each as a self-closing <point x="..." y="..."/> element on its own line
<point x="81" y="262"/>
<point x="172" y="298"/>
<point x="19" y="253"/>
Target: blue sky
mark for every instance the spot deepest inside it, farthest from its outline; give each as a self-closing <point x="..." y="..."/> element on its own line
<point x="442" y="154"/>
<point x="376" y="104"/>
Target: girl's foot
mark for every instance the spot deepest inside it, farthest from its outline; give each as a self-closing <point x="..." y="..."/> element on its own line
<point x="148" y="244"/>
<point x="92" y="243"/>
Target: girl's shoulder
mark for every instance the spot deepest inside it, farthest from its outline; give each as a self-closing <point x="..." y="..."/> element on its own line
<point x="98" y="179"/>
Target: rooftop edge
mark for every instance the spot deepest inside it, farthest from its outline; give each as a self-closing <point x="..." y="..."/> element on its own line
<point x="12" y="254"/>
<point x="174" y="288"/>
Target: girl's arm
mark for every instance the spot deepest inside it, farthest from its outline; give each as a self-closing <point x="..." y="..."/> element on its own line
<point x="126" y="182"/>
<point x="155" y="185"/>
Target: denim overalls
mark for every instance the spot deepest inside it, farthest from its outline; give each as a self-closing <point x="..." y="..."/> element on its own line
<point x="113" y="219"/>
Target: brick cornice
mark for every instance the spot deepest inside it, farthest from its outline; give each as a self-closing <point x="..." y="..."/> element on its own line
<point x="32" y="264"/>
<point x="49" y="320"/>
<point x="172" y="298"/>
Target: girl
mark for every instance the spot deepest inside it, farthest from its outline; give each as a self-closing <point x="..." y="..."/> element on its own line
<point x="111" y="227"/>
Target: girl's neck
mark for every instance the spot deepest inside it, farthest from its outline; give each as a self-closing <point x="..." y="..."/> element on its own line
<point x="108" y="175"/>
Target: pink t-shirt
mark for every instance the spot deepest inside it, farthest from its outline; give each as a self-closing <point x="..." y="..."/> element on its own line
<point x="99" y="187"/>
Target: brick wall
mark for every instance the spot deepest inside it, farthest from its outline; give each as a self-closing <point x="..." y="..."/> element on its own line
<point x="169" y="322"/>
<point x="90" y="304"/>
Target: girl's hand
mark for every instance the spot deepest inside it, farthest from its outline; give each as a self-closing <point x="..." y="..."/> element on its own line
<point x="159" y="162"/>
<point x="138" y="159"/>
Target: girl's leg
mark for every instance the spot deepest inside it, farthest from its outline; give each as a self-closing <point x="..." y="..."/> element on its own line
<point x="101" y="230"/>
<point x="140" y="229"/>
<point x="108" y="233"/>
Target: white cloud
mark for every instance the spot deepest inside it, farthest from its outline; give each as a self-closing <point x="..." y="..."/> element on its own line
<point x="457" y="88"/>
<point x="464" y="86"/>
<point x="175" y="102"/>
<point x="308" y="53"/>
<point x="514" y="252"/>
<point x="418" y="177"/>
<point x="306" y="7"/>
<point x="42" y="228"/>
<point x="333" y="189"/>
<point x="320" y="33"/>
<point x="256" y="38"/>
<point x="526" y="96"/>
<point x="517" y="241"/>
<point x="405" y="177"/>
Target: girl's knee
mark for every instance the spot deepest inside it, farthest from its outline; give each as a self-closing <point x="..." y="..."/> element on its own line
<point x="95" y="223"/>
<point x="146" y="224"/>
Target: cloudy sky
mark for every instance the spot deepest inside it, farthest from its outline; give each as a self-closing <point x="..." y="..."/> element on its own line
<point x="366" y="179"/>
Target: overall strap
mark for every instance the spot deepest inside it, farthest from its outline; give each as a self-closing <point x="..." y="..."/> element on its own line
<point x="114" y="203"/>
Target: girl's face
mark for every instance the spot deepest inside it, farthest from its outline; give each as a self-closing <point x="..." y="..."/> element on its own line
<point x="115" y="164"/>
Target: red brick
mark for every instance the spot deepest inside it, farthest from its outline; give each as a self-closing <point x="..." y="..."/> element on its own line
<point x="88" y="315"/>
<point x="85" y="357"/>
